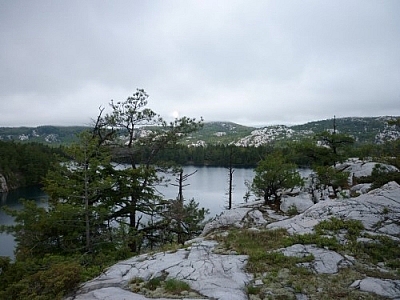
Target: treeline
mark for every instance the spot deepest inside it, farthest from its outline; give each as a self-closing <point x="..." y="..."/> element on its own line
<point x="304" y="153"/>
<point x="210" y="155"/>
<point x="25" y="164"/>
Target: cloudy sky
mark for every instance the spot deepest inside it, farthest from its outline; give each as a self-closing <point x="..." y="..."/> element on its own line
<point x="251" y="62"/>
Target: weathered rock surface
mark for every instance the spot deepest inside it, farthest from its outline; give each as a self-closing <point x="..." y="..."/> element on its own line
<point x="212" y="275"/>
<point x="359" y="168"/>
<point x="325" y="261"/>
<point x="300" y="203"/>
<point x="383" y="287"/>
<point x="3" y="184"/>
<point x="378" y="210"/>
<point x="218" y="276"/>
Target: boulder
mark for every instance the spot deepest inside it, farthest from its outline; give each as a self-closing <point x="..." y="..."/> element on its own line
<point x="301" y="202"/>
<point x="325" y="261"/>
<point x="359" y="168"/>
<point x="382" y="287"/>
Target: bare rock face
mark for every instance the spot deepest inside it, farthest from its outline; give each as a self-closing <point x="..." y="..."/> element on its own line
<point x="300" y="203"/>
<point x="384" y="287"/>
<point x="359" y="168"/>
<point x="3" y="184"/>
<point x="378" y="210"/>
<point x="223" y="276"/>
<point x="325" y="261"/>
<point x="211" y="275"/>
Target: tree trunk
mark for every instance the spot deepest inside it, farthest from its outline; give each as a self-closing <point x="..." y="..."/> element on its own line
<point x="133" y="245"/>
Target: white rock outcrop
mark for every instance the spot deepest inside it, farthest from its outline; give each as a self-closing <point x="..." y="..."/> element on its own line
<point x="300" y="203"/>
<point x="212" y="275"/>
<point x="377" y="210"/>
<point x="324" y="262"/>
<point x="383" y="287"/>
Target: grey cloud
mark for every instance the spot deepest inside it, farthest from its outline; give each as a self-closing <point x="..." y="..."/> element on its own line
<point x="255" y="62"/>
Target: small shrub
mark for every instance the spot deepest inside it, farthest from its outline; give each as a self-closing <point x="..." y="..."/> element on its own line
<point x="383" y="249"/>
<point x="353" y="227"/>
<point x="313" y="238"/>
<point x="253" y="290"/>
<point x="176" y="286"/>
<point x="154" y="283"/>
<point x="292" y="211"/>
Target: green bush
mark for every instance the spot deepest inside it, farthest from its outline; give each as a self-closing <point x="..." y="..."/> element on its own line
<point x="175" y="286"/>
<point x="48" y="284"/>
<point x="154" y="283"/>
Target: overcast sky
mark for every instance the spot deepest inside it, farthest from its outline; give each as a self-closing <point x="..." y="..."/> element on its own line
<point x="250" y="62"/>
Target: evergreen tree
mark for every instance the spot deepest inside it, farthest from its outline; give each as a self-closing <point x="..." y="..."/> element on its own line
<point x="145" y="134"/>
<point x="272" y="175"/>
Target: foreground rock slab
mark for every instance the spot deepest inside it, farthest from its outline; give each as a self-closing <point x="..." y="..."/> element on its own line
<point x="325" y="261"/>
<point x="212" y="275"/>
<point x="383" y="287"/>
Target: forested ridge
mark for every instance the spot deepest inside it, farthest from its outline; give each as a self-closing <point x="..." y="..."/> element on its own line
<point x="25" y="164"/>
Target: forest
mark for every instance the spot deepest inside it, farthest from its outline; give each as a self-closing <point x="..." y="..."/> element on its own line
<point x="25" y="164"/>
<point x="98" y="215"/>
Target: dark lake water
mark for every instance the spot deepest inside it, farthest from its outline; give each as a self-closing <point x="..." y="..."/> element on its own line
<point x="208" y="186"/>
<point x="12" y="200"/>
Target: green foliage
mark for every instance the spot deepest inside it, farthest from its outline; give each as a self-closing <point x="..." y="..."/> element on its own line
<point x="48" y="278"/>
<point x="255" y="244"/>
<point x="307" y="153"/>
<point x="272" y="175"/>
<point x="175" y="286"/>
<point x="381" y="249"/>
<point x="253" y="290"/>
<point x="154" y="283"/>
<point x="292" y="211"/>
<point x="325" y="232"/>
<point x="338" y="144"/>
<point x="86" y="195"/>
<point x="354" y="227"/>
<point x="329" y="176"/>
<point x="210" y="155"/>
<point x="380" y="176"/>
<point x="182" y="221"/>
<point x="25" y="164"/>
<point x="279" y="272"/>
<point x="312" y="238"/>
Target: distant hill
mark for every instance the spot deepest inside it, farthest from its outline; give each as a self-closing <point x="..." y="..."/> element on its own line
<point x="55" y="135"/>
<point x="364" y="130"/>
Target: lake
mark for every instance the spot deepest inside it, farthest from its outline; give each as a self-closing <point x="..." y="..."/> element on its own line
<point x="208" y="186"/>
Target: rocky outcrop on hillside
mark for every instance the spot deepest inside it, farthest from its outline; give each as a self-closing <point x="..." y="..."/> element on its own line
<point x="270" y="134"/>
<point x="349" y="250"/>
<point x="370" y="130"/>
<point x="3" y="184"/>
